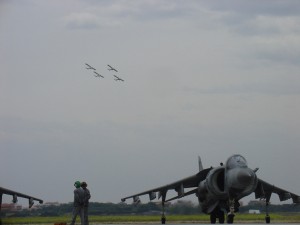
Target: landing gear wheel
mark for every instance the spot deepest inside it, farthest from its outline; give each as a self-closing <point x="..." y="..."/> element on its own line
<point x="268" y="219"/>
<point x="221" y="217"/>
<point x="213" y="218"/>
<point x="230" y="218"/>
<point x="163" y="219"/>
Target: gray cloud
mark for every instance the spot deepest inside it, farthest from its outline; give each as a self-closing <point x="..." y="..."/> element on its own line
<point x="257" y="7"/>
<point x="274" y="89"/>
<point x="117" y="13"/>
<point x="82" y="21"/>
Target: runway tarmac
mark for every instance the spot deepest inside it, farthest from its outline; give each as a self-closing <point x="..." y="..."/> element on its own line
<point x="192" y="223"/>
<point x="262" y="222"/>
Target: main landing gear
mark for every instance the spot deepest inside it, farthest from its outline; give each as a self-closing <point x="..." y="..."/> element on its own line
<point x="217" y="214"/>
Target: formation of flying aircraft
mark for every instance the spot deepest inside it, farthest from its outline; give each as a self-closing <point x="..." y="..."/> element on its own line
<point x="98" y="75"/>
<point x="111" y="68"/>
<point x="219" y="189"/>
<point x="89" y="67"/>
<point x="15" y="196"/>
<point x="118" y="78"/>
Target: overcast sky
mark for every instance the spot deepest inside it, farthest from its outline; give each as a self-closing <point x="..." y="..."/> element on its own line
<point x="207" y="78"/>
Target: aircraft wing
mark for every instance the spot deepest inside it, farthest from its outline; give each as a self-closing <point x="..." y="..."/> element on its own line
<point x="111" y="68"/>
<point x="194" y="191"/>
<point x="17" y="194"/>
<point x="264" y="190"/>
<point x="118" y="78"/>
<point x="178" y="186"/>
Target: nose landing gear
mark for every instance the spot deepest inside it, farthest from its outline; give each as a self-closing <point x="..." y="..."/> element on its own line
<point x="230" y="214"/>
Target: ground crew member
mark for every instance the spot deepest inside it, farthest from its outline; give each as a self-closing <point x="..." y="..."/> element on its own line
<point x="78" y="203"/>
<point x="87" y="196"/>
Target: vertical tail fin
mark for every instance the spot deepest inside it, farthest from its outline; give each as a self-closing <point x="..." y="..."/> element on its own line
<point x="200" y="164"/>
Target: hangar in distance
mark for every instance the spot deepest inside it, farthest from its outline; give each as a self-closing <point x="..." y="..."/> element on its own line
<point x="219" y="189"/>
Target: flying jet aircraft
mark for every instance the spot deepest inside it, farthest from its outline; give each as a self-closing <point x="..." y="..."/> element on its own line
<point x="16" y="195"/>
<point x="219" y="189"/>
<point x="89" y="67"/>
<point x="111" y="68"/>
<point x="98" y="75"/>
<point x="118" y="78"/>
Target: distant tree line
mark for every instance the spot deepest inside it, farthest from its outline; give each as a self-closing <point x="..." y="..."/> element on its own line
<point x="272" y="208"/>
<point x="180" y="207"/>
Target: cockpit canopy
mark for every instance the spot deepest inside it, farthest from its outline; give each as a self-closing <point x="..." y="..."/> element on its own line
<point x="236" y="161"/>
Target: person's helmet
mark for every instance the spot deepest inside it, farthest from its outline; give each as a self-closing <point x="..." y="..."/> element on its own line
<point x="77" y="184"/>
<point x="83" y="184"/>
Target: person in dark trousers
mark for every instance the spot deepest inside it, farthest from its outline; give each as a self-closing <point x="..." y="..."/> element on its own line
<point x="78" y="203"/>
<point x="87" y="196"/>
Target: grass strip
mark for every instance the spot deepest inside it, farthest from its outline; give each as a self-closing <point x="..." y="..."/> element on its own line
<point x="201" y="218"/>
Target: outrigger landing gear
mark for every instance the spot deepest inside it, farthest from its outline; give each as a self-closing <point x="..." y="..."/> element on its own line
<point x="268" y="218"/>
<point x="163" y="217"/>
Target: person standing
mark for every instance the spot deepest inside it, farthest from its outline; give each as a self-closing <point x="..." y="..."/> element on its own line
<point x="78" y="203"/>
<point x="86" y="198"/>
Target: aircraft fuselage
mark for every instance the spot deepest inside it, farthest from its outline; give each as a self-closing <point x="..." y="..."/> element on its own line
<point x="234" y="180"/>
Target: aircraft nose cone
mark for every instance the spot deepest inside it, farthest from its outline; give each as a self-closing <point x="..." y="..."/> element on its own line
<point x="245" y="177"/>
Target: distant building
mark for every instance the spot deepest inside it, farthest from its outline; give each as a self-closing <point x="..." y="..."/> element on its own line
<point x="11" y="207"/>
<point x="51" y="204"/>
<point x="254" y="211"/>
<point x="257" y="203"/>
<point x="166" y="203"/>
<point x="46" y="204"/>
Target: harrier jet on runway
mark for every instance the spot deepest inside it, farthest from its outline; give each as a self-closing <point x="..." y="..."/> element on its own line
<point x="89" y="67"/>
<point x="16" y="195"/>
<point x="111" y="68"/>
<point x="98" y="75"/>
<point x="118" y="78"/>
<point x="220" y="188"/>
